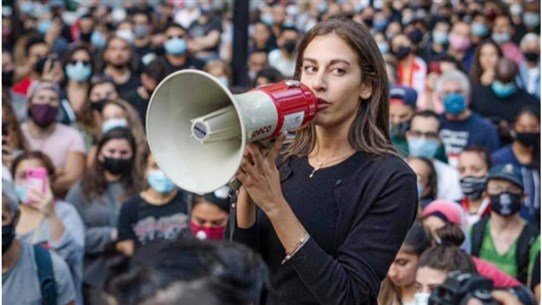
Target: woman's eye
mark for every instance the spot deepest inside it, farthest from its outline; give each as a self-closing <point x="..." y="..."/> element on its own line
<point x="309" y="69"/>
<point x="339" y="71"/>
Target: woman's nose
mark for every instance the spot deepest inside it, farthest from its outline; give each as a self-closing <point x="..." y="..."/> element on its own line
<point x="319" y="82"/>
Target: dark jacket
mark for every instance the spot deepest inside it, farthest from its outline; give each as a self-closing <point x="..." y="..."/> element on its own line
<point x="376" y="206"/>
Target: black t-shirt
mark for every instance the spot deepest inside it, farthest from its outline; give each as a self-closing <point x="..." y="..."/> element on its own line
<point x="197" y="29"/>
<point x="144" y="222"/>
<point x="131" y="85"/>
<point x="139" y="103"/>
<point x="488" y="105"/>
<point x="190" y="63"/>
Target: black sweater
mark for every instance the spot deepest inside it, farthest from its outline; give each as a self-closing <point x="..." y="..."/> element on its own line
<point x="357" y="213"/>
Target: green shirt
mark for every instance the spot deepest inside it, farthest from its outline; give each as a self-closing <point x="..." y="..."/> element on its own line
<point x="507" y="261"/>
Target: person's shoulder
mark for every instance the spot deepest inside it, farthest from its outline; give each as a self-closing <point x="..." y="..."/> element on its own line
<point x="66" y="131"/>
<point x="481" y="121"/>
<point x="502" y="155"/>
<point x="65" y="209"/>
<point x="388" y="163"/>
<point x="274" y="54"/>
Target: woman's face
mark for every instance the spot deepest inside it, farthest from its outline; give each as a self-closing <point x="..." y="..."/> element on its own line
<point x="112" y="111"/>
<point x="402" y="271"/>
<point x="117" y="149"/>
<point x="330" y="68"/>
<point x="81" y="55"/>
<point x="527" y="122"/>
<point x="46" y="97"/>
<point x="433" y="223"/>
<point x="488" y="57"/>
<point x="471" y="164"/>
<point x="208" y="215"/>
<point x="19" y="176"/>
<point x="427" y="279"/>
<point x="103" y="91"/>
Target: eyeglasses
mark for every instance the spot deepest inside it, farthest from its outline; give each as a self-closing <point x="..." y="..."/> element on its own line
<point x="84" y="62"/>
<point x="427" y="135"/>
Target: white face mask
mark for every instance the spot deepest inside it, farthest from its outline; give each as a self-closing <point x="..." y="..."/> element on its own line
<point x="421" y="298"/>
<point x="109" y="124"/>
<point x="127" y="35"/>
<point x="223" y="80"/>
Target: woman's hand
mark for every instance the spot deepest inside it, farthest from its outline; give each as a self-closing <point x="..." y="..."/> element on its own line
<point x="260" y="176"/>
<point x="44" y="202"/>
<point x="487" y="77"/>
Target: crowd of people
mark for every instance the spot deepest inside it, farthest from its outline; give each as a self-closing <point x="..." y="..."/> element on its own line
<point x="108" y="225"/>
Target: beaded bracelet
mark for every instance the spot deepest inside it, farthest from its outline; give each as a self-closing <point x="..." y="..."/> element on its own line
<point x="302" y="241"/>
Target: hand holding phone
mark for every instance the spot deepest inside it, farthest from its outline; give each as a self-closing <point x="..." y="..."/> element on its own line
<point x="39" y="192"/>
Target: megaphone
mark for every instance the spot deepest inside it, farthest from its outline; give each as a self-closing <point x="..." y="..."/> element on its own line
<point x="197" y="129"/>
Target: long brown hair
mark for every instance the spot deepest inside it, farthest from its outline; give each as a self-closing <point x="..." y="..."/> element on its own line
<point x="369" y="131"/>
<point x="476" y="70"/>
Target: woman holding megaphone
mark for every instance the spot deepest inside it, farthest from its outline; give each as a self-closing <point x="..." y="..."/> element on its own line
<point x="331" y="216"/>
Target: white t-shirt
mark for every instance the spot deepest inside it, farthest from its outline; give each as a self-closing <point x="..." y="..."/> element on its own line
<point x="448" y="186"/>
<point x="285" y="66"/>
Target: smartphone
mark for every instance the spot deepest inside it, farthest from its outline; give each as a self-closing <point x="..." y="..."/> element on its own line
<point x="36" y="178"/>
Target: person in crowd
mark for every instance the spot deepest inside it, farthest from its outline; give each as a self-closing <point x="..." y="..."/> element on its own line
<point x="473" y="165"/>
<point x="45" y="220"/>
<point x="400" y="286"/>
<point x="423" y="141"/>
<point x="143" y="31"/>
<point x="13" y="141"/>
<point x="78" y="67"/>
<point x="209" y="215"/>
<point x="189" y="271"/>
<point x="441" y="212"/>
<point x="461" y="45"/>
<point x="524" y="152"/>
<point x="411" y="69"/>
<point x="204" y="34"/>
<point x="502" y="33"/>
<point x="334" y="59"/>
<point x="256" y="62"/>
<point x="284" y="58"/>
<point x="35" y="51"/>
<point x="17" y="101"/>
<point x="427" y="184"/>
<point x="63" y="144"/>
<point x="504" y="238"/>
<point x="160" y="211"/>
<point x="266" y="76"/>
<point x="219" y="69"/>
<point x="486" y="56"/>
<point x="460" y="126"/>
<point x="402" y="108"/>
<point x="98" y="197"/>
<point x="502" y="100"/>
<point x="529" y="69"/>
<point x="25" y="267"/>
<point x="117" y="57"/>
<point x="262" y="38"/>
<point x="153" y="73"/>
<point x="479" y="28"/>
<point x="101" y="89"/>
<point x="188" y="14"/>
<point x="177" y="55"/>
<point x="439" y="40"/>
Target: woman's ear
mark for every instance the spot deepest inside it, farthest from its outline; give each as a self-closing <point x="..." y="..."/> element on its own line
<point x="366" y="91"/>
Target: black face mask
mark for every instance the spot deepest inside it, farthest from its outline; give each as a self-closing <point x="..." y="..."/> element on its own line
<point x="402" y="52"/>
<point x="8" y="235"/>
<point x="531" y="56"/>
<point x="117" y="166"/>
<point x="415" y="36"/>
<point x="473" y="187"/>
<point x="505" y="204"/>
<point x="399" y="129"/>
<point x="368" y="22"/>
<point x="98" y="105"/>
<point x="528" y="139"/>
<point x="7" y="79"/>
<point x="149" y="92"/>
<point x="289" y="46"/>
<point x="85" y="36"/>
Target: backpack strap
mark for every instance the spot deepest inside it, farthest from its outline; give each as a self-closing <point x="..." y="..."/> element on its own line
<point x="525" y="241"/>
<point x="46" y="275"/>
<point x="478" y="233"/>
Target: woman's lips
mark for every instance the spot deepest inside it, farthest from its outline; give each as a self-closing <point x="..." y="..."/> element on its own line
<point x="322" y="104"/>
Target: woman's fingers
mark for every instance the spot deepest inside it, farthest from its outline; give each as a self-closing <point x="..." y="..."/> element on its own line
<point x="256" y="155"/>
<point x="276" y="148"/>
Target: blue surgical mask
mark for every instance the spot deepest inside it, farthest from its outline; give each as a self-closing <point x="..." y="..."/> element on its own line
<point x="440" y="37"/>
<point x="384" y="47"/>
<point x="22" y="194"/>
<point x="479" y="29"/>
<point x="503" y="90"/>
<point x="44" y="26"/>
<point x="454" y="103"/>
<point x="175" y="46"/>
<point x="98" y="39"/>
<point x="421" y="147"/>
<point x="501" y="38"/>
<point x="380" y="24"/>
<point x="78" y="72"/>
<point x="159" y="181"/>
<point x="531" y="19"/>
<point x="112" y="123"/>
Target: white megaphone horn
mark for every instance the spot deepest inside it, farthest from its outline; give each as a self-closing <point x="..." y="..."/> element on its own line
<point x="198" y="130"/>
